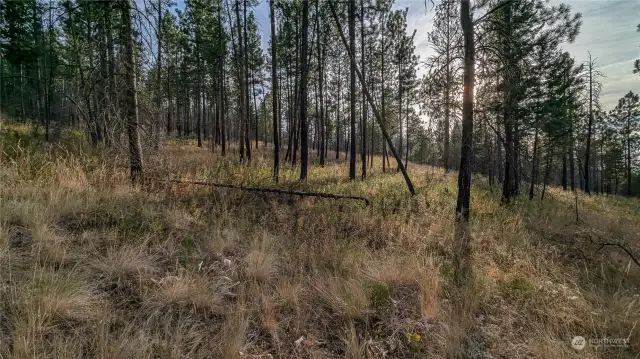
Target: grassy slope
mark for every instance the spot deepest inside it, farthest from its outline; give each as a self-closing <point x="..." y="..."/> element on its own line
<point x="92" y="268"/>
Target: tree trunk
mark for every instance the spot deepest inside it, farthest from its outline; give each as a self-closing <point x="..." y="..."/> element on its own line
<point x="587" y="154"/>
<point x="321" y="86"/>
<point x="408" y="138"/>
<point x="508" y="163"/>
<point x="255" y="109"/>
<point x="103" y="90"/>
<point x="170" y="99"/>
<point x="352" y="88"/>
<point x="462" y="245"/>
<point x="1" y="81"/>
<point x="158" y="123"/>
<point x="274" y="93"/>
<point x="447" y="99"/>
<point x="499" y="161"/>
<point x="215" y="104"/>
<point x="198" y="94"/>
<point x="289" y="111"/>
<point x="629" y="115"/>
<point x="382" y="102"/>
<point x="247" y="116"/>
<point x="296" y="97"/>
<point x="111" y="83"/>
<point x="564" y="171"/>
<point x="546" y="170"/>
<point x="534" y="164"/>
<point x="131" y="96"/>
<point x="363" y="127"/>
<point x="265" y="121"/>
<point x="304" y="127"/>
<point x="572" y="160"/>
<point x="400" y="93"/>
<point x="509" y="149"/>
<point x="223" y="111"/>
<point x="601" y="166"/>
<point x="241" y="79"/>
<point x="338" y="112"/>
<point x="466" y="151"/>
<point x="516" y="170"/>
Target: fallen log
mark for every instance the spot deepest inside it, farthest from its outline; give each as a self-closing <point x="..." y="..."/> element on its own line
<point x="272" y="190"/>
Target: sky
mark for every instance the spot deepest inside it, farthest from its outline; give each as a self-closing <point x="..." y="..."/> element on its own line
<point x="608" y="32"/>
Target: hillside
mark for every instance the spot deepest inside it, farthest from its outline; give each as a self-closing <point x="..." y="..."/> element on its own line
<point x="91" y="267"/>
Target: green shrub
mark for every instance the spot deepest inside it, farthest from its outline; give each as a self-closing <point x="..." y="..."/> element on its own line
<point x="379" y="295"/>
<point x="516" y="289"/>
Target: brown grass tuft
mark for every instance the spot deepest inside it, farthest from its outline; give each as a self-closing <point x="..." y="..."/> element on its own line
<point x="343" y="297"/>
<point x="185" y="291"/>
<point x="49" y="306"/>
<point x="262" y="261"/>
<point x="126" y="263"/>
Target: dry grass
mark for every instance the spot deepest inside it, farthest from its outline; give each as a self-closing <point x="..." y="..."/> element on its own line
<point x="261" y="263"/>
<point x="90" y="267"/>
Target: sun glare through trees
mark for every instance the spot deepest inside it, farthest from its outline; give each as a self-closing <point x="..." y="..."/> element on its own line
<point x="246" y="179"/>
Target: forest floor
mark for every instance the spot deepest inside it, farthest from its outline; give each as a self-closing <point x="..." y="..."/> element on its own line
<point x="91" y="267"/>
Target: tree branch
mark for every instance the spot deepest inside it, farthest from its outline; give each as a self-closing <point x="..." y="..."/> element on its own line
<point x="498" y="7"/>
<point x="271" y="190"/>
<point x="625" y="249"/>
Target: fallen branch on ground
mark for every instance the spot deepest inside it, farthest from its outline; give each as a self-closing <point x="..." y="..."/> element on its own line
<point x="614" y="244"/>
<point x="627" y="250"/>
<point x="600" y="245"/>
<point x="272" y="190"/>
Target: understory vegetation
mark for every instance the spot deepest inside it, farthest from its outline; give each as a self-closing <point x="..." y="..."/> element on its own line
<point x="93" y="267"/>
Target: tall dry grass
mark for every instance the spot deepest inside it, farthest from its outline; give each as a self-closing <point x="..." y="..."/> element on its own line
<point x="90" y="267"/>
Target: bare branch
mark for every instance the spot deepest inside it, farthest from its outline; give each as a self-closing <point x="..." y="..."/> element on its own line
<point x="270" y="190"/>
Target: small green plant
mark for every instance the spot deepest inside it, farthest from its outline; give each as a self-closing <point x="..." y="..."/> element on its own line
<point x="379" y="296"/>
<point x="414" y="341"/>
<point x="516" y="289"/>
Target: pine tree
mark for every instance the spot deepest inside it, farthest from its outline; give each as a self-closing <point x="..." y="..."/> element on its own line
<point x="444" y="76"/>
<point x="593" y="87"/>
<point x="627" y="115"/>
<point x="515" y="30"/>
